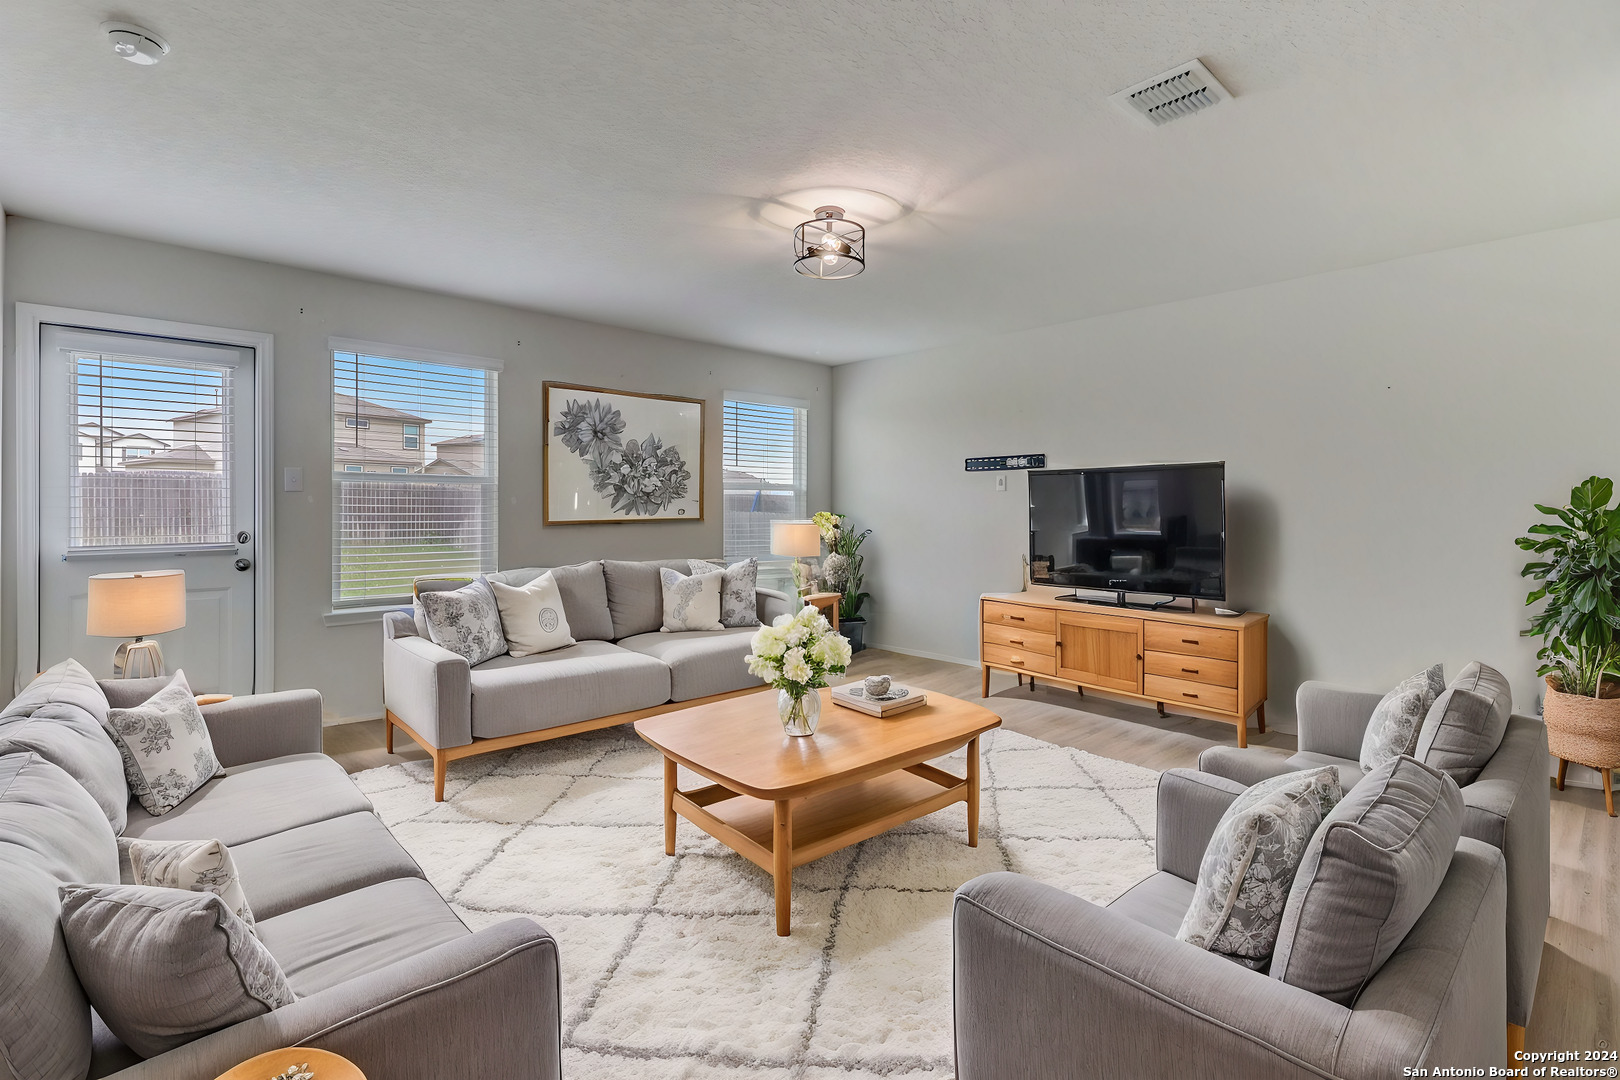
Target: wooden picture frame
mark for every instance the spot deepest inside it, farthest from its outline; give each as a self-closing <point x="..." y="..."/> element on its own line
<point x="594" y="469"/>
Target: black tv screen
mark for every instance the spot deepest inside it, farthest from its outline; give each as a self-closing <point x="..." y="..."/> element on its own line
<point x="1142" y="529"/>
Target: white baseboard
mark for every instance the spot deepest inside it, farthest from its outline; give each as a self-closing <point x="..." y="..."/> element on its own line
<point x="925" y="655"/>
<point x="339" y="721"/>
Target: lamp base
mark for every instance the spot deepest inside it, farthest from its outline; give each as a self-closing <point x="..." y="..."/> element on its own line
<point x="138" y="659"/>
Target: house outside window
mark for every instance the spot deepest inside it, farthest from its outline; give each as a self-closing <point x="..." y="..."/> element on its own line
<point x="765" y="477"/>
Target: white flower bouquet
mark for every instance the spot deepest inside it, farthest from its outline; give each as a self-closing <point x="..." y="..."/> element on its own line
<point x="795" y="654"/>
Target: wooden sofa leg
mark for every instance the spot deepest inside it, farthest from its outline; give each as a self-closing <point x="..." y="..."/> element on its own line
<point x="1515" y="1041"/>
<point x="1563" y="765"/>
<point x="388" y="733"/>
<point x="439" y="764"/>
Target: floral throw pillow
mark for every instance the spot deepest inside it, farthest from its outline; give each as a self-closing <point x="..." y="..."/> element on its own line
<point x="1398" y="719"/>
<point x="737" y="605"/>
<point x="192" y="865"/>
<point x="165" y="744"/>
<point x="467" y="621"/>
<point x="1249" y="866"/>
<point x="691" y="603"/>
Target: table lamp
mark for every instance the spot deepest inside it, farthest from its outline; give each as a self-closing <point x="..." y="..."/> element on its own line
<point x="133" y="606"/>
<point x="798" y="539"/>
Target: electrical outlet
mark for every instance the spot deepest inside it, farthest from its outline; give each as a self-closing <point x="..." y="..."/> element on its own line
<point x="1001" y="482"/>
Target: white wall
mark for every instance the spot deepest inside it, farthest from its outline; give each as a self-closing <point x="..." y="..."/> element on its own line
<point x="54" y="264"/>
<point x="1385" y="429"/>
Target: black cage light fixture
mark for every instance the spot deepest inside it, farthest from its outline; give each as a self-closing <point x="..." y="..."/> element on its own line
<point x="829" y="246"/>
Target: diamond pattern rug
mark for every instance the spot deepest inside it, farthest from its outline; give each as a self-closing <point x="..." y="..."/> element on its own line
<point x="671" y="966"/>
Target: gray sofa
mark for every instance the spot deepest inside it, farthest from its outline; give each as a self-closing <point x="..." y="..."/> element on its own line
<point x="1049" y="987"/>
<point x="1508" y="806"/>
<point x="385" y="972"/>
<point x="621" y="666"/>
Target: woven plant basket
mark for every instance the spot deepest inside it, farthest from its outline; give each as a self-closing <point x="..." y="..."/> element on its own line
<point x="1582" y="729"/>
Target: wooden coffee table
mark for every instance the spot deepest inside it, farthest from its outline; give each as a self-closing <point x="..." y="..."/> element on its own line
<point x="781" y="801"/>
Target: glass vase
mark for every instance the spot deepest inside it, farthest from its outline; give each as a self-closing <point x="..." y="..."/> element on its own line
<point x="799" y="715"/>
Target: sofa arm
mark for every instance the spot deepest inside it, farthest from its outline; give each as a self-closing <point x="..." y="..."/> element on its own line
<point x="260" y="726"/>
<point x="1332" y="719"/>
<point x="483" y="1005"/>
<point x="1246" y="766"/>
<point x="768" y="604"/>
<point x="429" y="688"/>
<point x="1190" y="805"/>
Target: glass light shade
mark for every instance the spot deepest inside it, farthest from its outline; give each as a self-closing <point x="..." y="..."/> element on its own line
<point x="828" y="246"/>
<point x="799" y="539"/>
<point x="134" y="605"/>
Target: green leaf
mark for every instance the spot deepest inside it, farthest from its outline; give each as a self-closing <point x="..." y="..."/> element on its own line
<point x="1550" y="530"/>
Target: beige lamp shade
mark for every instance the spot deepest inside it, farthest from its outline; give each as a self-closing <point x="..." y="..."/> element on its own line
<point x="134" y="605"/>
<point x="800" y="539"/>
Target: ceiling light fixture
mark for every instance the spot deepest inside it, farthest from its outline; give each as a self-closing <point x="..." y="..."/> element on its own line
<point x="828" y="246"/>
<point x="134" y="43"/>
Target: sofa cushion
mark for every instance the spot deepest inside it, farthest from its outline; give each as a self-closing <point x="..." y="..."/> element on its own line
<point x="193" y="865"/>
<point x="584" y="596"/>
<point x="316" y="862"/>
<point x="739" y="600"/>
<point x="59" y="716"/>
<point x="1350" y="773"/>
<point x="1393" y="728"/>
<point x="582" y="682"/>
<point x="255" y="800"/>
<point x="167" y="751"/>
<point x="636" y="596"/>
<point x="51" y="833"/>
<point x="1368" y="874"/>
<point x="1159" y="901"/>
<point x="700" y="662"/>
<point x="691" y="601"/>
<point x="1466" y="723"/>
<point x="331" y="942"/>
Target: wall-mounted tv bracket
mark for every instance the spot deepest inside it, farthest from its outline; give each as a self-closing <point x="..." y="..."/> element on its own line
<point x="1006" y="462"/>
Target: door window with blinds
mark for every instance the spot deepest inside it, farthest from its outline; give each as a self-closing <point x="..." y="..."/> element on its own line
<point x="765" y="477"/>
<point x="413" y="471"/>
<point x="149" y="452"/>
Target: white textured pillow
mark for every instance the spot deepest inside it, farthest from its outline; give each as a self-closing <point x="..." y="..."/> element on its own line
<point x="691" y="603"/>
<point x="465" y="621"/>
<point x="737" y="604"/>
<point x="1398" y="719"/>
<point x="192" y="865"/>
<point x="166" y="748"/>
<point x="532" y="616"/>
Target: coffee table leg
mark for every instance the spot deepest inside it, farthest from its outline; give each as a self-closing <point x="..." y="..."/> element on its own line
<point x="973" y="791"/>
<point x="782" y="866"/>
<point x="669" y="806"/>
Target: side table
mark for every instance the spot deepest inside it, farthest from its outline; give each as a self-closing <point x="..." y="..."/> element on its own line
<point x="827" y="602"/>
<point x="316" y="1065"/>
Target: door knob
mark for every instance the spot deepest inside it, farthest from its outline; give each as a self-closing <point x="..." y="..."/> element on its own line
<point x="242" y="564"/>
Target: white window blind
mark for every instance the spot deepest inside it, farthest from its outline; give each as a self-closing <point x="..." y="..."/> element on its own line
<point x="413" y="474"/>
<point x="765" y="474"/>
<point x="150" y="454"/>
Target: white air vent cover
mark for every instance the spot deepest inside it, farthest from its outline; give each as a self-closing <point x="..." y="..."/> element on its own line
<point x="1181" y="91"/>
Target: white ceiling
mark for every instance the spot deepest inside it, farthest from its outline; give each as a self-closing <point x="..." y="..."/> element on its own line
<point x="610" y="160"/>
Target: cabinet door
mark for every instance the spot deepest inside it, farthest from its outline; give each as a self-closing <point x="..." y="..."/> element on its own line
<point x="1101" y="651"/>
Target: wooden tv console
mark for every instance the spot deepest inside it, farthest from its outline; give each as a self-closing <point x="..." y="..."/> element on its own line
<point x="1208" y="665"/>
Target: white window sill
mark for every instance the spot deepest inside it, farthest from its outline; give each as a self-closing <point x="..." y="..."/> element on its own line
<point x="355" y="616"/>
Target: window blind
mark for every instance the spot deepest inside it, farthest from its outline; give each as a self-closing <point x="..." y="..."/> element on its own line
<point x="414" y="478"/>
<point x="765" y="474"/>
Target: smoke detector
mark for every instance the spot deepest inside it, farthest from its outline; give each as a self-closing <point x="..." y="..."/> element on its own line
<point x="134" y="43"/>
<point x="1170" y="95"/>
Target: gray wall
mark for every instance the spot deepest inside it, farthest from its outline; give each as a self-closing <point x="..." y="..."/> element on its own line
<point x="1385" y="429"/>
<point x="54" y="264"/>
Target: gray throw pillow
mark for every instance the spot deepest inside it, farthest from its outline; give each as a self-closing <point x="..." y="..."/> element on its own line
<point x="1465" y="724"/>
<point x="61" y="716"/>
<point x="585" y="601"/>
<point x="166" y="748"/>
<point x="193" y="865"/>
<point x="1250" y="862"/>
<point x="431" y="584"/>
<point x="1368" y="874"/>
<point x="165" y="966"/>
<point x="466" y="621"/>
<point x="737" y="604"/>
<point x="1393" y="729"/>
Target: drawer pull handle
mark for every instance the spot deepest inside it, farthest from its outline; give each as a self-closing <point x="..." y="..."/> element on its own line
<point x="1190" y="670"/>
<point x="1016" y="661"/>
<point x="1016" y="640"/>
<point x="1016" y="618"/>
<point x="1185" y="694"/>
<point x="1189" y="641"/>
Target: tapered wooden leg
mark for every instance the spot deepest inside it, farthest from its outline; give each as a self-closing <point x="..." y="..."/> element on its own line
<point x="1020" y="678"/>
<point x="1515" y="1039"/>
<point x="1160" y="705"/>
<point x="669" y="806"/>
<point x="1243" y="733"/>
<point x="973" y="791"/>
<point x="388" y="733"/>
<point x="1260" y="717"/>
<point x="440" y="762"/>
<point x="1608" y="790"/>
<point x="1563" y="765"/>
<point x="1080" y="690"/>
<point x="984" y="691"/>
<point x="782" y="866"/>
<point x="1032" y="684"/>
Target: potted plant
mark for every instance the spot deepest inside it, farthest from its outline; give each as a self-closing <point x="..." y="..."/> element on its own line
<point x="841" y="570"/>
<point x="1578" y="568"/>
<point x="795" y="654"/>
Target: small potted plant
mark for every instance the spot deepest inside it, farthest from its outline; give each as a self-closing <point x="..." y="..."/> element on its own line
<point x="795" y="654"/>
<point x="841" y="570"/>
<point x="1578" y="568"/>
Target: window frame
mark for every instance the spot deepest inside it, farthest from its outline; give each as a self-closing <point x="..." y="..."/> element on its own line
<point x="776" y="566"/>
<point x="410" y="439"/>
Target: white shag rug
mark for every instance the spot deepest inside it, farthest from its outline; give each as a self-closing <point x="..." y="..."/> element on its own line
<point x="671" y="966"/>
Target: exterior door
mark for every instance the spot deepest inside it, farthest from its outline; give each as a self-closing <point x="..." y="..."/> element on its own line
<point x="1100" y="651"/>
<point x="146" y="462"/>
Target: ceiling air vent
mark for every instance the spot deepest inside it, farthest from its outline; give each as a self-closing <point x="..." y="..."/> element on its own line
<point x="1181" y="91"/>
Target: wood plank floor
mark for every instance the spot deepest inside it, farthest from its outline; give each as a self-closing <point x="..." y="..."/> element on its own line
<point x="1580" y="967"/>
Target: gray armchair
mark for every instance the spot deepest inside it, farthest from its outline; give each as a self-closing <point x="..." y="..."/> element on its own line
<point x="1508" y="807"/>
<point x="1049" y="987"/>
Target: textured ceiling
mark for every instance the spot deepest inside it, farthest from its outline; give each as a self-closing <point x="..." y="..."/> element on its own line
<point x="611" y="161"/>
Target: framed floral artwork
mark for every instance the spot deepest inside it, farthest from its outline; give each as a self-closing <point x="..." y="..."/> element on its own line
<point x="616" y="455"/>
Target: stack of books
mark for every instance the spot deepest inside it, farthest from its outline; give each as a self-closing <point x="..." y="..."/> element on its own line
<point x="852" y="695"/>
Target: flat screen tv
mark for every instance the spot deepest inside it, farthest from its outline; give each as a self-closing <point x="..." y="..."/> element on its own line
<point x="1155" y="529"/>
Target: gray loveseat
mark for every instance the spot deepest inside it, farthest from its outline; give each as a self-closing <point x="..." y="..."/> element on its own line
<point x="385" y="972"/>
<point x="621" y="667"/>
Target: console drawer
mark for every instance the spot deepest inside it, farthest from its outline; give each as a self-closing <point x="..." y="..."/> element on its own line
<point x="1016" y="637"/>
<point x="1019" y="659"/>
<point x="1203" y="695"/>
<point x="1030" y="618"/>
<point x="1191" y="640"/>
<point x="1190" y="668"/>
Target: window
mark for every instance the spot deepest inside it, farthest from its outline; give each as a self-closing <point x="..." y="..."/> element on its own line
<point x="401" y="521"/>
<point x="765" y="477"/>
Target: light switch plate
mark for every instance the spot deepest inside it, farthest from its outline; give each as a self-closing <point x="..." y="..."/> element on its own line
<point x="292" y="479"/>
